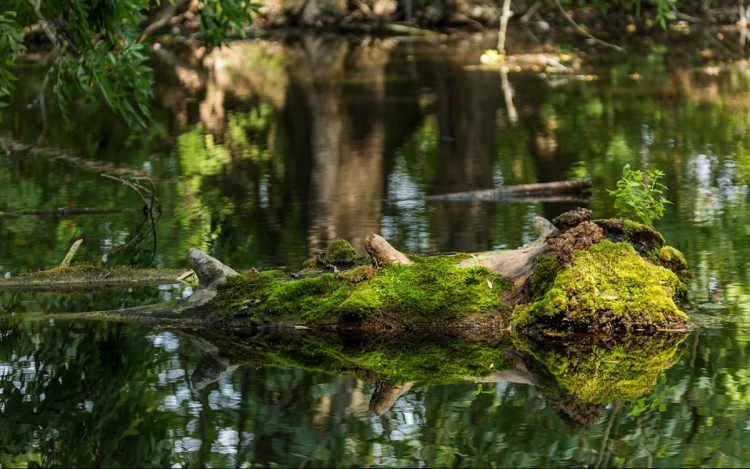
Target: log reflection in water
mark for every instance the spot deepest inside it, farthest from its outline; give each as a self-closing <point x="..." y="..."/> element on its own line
<point x="578" y="375"/>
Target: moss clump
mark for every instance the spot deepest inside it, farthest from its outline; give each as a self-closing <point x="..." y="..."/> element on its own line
<point x="609" y="286"/>
<point x="340" y="254"/>
<point x="673" y="260"/>
<point x="638" y="232"/>
<point x="599" y="372"/>
<point x="343" y="253"/>
<point x="545" y="272"/>
<point x="644" y="239"/>
<point x="430" y="291"/>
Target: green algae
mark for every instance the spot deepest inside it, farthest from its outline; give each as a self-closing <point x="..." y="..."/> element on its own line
<point x="609" y="286"/>
<point x="598" y="372"/>
<point x="430" y="291"/>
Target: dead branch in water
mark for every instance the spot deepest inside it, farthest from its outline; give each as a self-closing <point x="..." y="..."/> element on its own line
<point x="582" y="31"/>
<point x="515" y="193"/>
<point x="148" y="210"/>
<point x="66" y="212"/>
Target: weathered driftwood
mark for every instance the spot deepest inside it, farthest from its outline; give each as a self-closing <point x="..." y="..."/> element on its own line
<point x="517" y="265"/>
<point x="72" y="252"/>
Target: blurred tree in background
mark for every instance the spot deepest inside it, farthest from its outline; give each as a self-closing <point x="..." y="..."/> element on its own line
<point x="98" y="45"/>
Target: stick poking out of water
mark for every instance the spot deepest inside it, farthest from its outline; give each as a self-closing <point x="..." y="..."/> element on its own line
<point x="72" y="252"/>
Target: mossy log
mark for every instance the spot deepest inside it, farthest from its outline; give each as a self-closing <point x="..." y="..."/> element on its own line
<point x="579" y="275"/>
<point x="79" y="277"/>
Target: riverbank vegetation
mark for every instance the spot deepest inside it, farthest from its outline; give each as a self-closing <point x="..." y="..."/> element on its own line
<point x="102" y="52"/>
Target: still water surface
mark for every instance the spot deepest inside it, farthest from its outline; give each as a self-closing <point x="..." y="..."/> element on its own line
<point x="267" y="152"/>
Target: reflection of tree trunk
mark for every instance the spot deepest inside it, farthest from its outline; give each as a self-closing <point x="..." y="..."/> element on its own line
<point x="347" y="139"/>
<point x="363" y="143"/>
<point x="466" y="156"/>
<point x="320" y="73"/>
<point x="212" y="108"/>
<point x="548" y="161"/>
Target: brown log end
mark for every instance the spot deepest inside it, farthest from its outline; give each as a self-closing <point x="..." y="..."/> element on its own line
<point x="382" y="253"/>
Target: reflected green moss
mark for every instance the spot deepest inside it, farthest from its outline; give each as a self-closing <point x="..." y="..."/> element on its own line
<point x="600" y="371"/>
<point x="423" y="358"/>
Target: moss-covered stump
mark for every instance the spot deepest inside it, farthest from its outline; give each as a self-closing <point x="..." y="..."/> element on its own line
<point x="609" y="286"/>
<point x="606" y="275"/>
<point x="88" y="277"/>
<point x="430" y="292"/>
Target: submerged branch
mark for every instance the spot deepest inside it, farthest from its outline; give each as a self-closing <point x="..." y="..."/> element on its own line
<point x="66" y="212"/>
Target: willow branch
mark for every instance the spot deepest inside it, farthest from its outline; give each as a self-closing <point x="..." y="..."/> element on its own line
<point x="582" y="31"/>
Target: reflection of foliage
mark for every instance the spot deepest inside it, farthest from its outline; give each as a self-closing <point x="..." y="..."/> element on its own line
<point x="661" y="394"/>
<point x="113" y="62"/>
<point x="76" y="402"/>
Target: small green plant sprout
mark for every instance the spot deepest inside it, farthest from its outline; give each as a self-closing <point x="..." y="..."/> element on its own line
<point x="639" y="195"/>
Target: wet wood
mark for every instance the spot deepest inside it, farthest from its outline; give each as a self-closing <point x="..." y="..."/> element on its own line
<point x="511" y="192"/>
<point x="66" y="212"/>
<point x="72" y="252"/>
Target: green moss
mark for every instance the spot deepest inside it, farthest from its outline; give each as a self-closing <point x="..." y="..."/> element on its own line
<point x="608" y="286"/>
<point x="340" y="254"/>
<point x="341" y="251"/>
<point x="673" y="260"/>
<point x="432" y="290"/>
<point x="600" y="372"/>
<point x="644" y="239"/>
<point x="639" y="232"/>
<point x="543" y="278"/>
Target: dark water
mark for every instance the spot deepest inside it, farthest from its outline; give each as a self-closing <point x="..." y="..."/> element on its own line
<point x="270" y="151"/>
